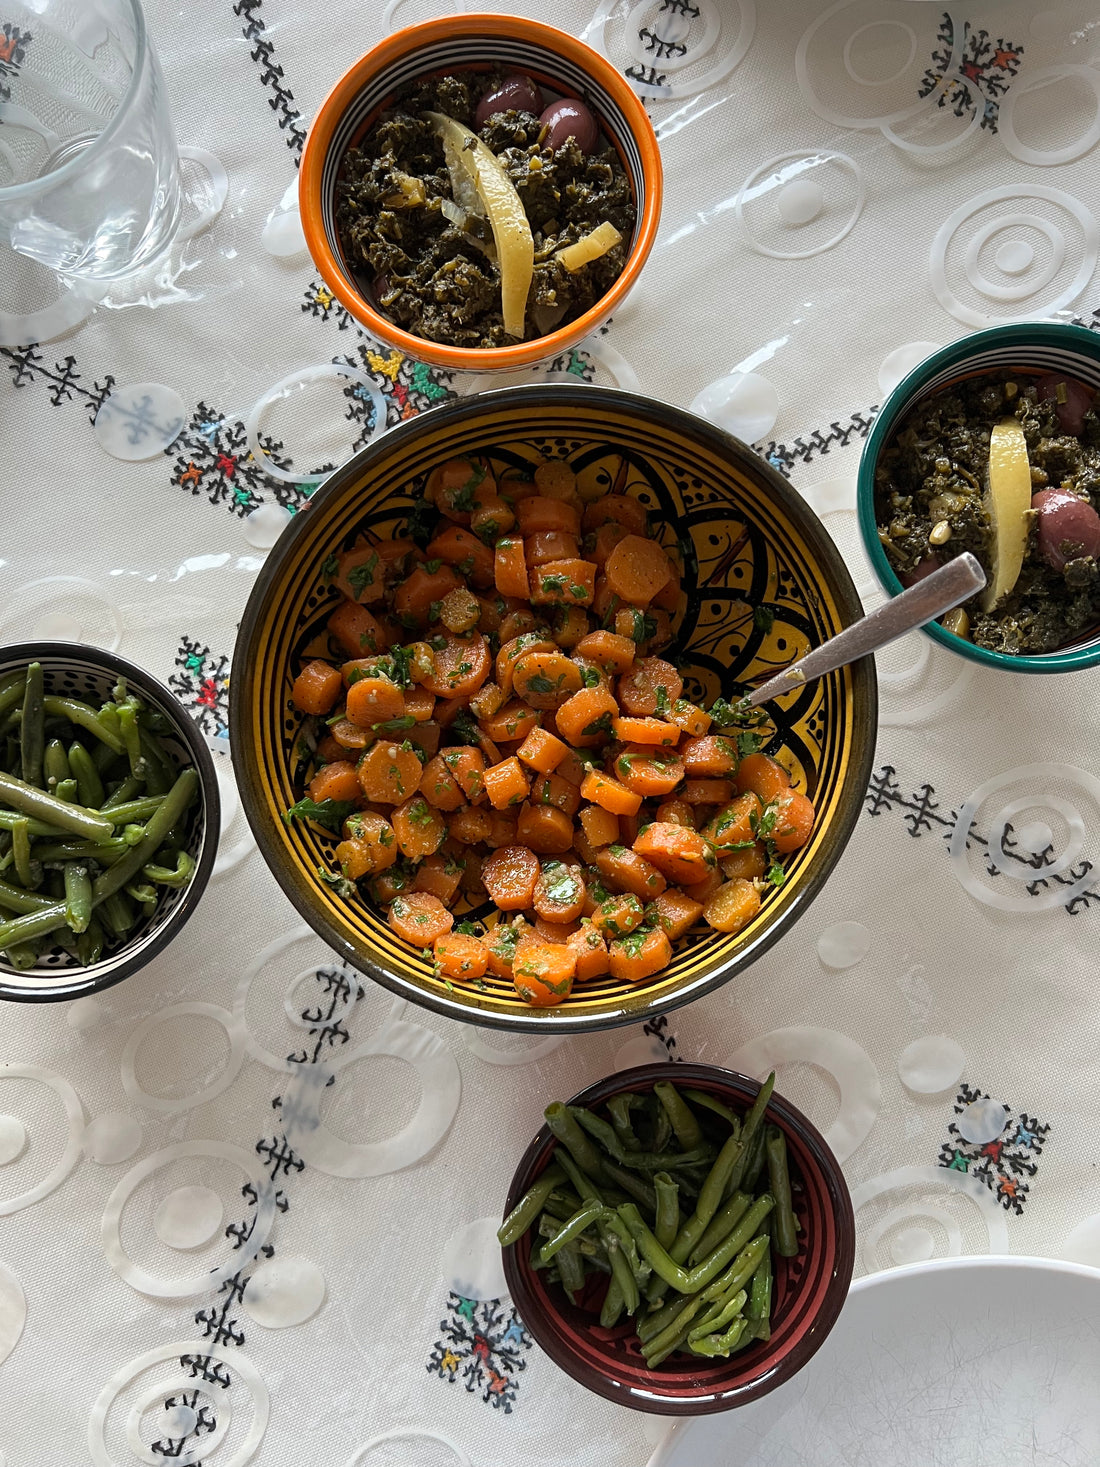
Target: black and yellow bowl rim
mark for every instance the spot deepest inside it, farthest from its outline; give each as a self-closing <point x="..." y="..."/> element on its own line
<point x="749" y="539"/>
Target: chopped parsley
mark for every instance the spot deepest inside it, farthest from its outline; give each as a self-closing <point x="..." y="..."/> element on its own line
<point x="776" y="875"/>
<point x="422" y="518"/>
<point x="541" y="684"/>
<point x="340" y="884"/>
<point x="329" y="813"/>
<point x="601" y="725"/>
<point x="662" y="698"/>
<point x="431" y="566"/>
<point x="434" y="611"/>
<point x="739" y="714"/>
<point x="592" y="678"/>
<point x="420" y="814"/>
<point x="645" y="626"/>
<point x="749" y="743"/>
<point x="462" y="500"/>
<point x="553" y="585"/>
<point x="633" y="942"/>
<point x="395" y="725"/>
<point x="763" y="619"/>
<point x="330" y="568"/>
<point x="363" y="575"/>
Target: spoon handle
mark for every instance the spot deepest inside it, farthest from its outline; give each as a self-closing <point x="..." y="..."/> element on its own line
<point x="922" y="602"/>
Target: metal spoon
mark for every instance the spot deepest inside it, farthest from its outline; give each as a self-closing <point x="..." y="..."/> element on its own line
<point x="927" y="599"/>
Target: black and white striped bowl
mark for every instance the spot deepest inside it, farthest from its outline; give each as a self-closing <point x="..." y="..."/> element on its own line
<point x="1026" y="347"/>
<point x="89" y="673"/>
<point x="563" y="66"/>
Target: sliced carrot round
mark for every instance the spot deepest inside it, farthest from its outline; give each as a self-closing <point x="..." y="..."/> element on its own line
<point x="683" y="855"/>
<point x="637" y="569"/>
<point x="585" y="719"/>
<point x="649" y="683"/>
<point x="462" y="665"/>
<point x="542" y="971"/>
<point x="639" y="955"/>
<point x="375" y="701"/>
<point x="420" y="592"/>
<point x="460" y="956"/>
<point x="618" y="509"/>
<point x="559" y="892"/>
<point x="388" y="773"/>
<point x="419" y="918"/>
<point x="512" y="650"/>
<point x="590" y="951"/>
<point x="733" y="906"/>
<point x="736" y="823"/>
<point x="762" y="775"/>
<point x="510" y="875"/>
<point x="545" y="829"/>
<point x="336" y="781"/>
<point x="648" y="771"/>
<point x="794" y="822"/>
<point x="361" y="574"/>
<point x="545" y="679"/>
<point x="317" y="687"/>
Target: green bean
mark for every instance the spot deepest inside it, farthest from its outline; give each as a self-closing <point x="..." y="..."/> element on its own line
<point x="633" y="1186"/>
<point x="82" y="850"/>
<point x="31" y="801"/>
<point x="587" y="1191"/>
<point x="32" y="734"/>
<point x="611" y="1222"/>
<point x="134" y="810"/>
<point x="667" y="1210"/>
<point x="55" y="764"/>
<point x="89" y="784"/>
<point x="563" y="1125"/>
<point x="176" y="802"/>
<point x="529" y="1206"/>
<point x="720" y="1317"/>
<point x="145" y="896"/>
<point x="118" y="913"/>
<point x="599" y="1130"/>
<point x="15" y="899"/>
<point x="78" y="897"/>
<point x="122" y="794"/>
<point x="779" y="1184"/>
<point x="752" y="1123"/>
<point x="760" y="1295"/>
<point x="666" y="1161"/>
<point x="131" y="738"/>
<point x="90" y="944"/>
<point x="721" y="1225"/>
<point x="581" y="1219"/>
<point x="725" y="1344"/>
<point x="27" y="870"/>
<point x="21" y="955"/>
<point x="106" y="761"/>
<point x="754" y="1167"/>
<point x="656" y="1320"/>
<point x="86" y="718"/>
<point x="176" y="876"/>
<point x="710" y="1198"/>
<point x="572" y="1271"/>
<point x="158" y="775"/>
<point x="563" y="1196"/>
<point x="550" y="1223"/>
<point x="613" y="1304"/>
<point x="690" y="1281"/>
<point x="688" y="1131"/>
<point x="13" y="693"/>
<point x="619" y="1108"/>
<point x="67" y="790"/>
<point x="712" y="1103"/>
<point x="662" y="1127"/>
<point x="9" y="818"/>
<point x="673" y="1334"/>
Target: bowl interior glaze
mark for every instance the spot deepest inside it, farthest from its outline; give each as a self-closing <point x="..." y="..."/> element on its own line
<point x="762" y="583"/>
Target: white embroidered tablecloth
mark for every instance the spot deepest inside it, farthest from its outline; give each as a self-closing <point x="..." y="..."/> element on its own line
<point x="820" y="285"/>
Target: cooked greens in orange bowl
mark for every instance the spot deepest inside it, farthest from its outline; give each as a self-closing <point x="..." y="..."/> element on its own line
<point x="484" y="709"/>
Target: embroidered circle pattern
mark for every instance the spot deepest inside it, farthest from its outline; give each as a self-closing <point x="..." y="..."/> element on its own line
<point x="207" y="1362"/>
<point x="1055" y="233"/>
<point x="666" y="42"/>
<point x="1027" y="853"/>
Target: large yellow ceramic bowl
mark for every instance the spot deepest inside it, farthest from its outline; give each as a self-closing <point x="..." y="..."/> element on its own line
<point x="762" y="584"/>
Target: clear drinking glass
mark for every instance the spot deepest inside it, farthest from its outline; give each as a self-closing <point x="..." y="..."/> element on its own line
<point x="89" y="173"/>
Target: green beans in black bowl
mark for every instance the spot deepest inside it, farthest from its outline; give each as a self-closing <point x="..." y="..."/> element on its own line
<point x="109" y="817"/>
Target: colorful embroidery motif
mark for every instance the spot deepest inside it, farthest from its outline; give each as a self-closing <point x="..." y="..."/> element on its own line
<point x="1004" y="1164"/>
<point x="922" y="813"/>
<point x="13" y="51"/>
<point x="202" y="686"/>
<point x="320" y="302"/>
<point x="484" y="1344"/>
<point x="212" y="458"/>
<point x="981" y="72"/>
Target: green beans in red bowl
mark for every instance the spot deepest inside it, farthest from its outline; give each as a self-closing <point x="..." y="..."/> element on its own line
<point x="109" y="816"/>
<point x="678" y="1238"/>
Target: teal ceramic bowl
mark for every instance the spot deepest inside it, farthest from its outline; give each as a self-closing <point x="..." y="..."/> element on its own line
<point x="1026" y="346"/>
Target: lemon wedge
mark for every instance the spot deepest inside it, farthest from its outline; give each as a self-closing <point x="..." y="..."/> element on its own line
<point x="1007" y="500"/>
<point x="478" y="176"/>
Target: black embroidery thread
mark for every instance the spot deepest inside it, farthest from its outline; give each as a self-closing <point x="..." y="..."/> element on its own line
<point x="1005" y="1164"/>
<point x="272" y="76"/>
<point x="981" y="72"/>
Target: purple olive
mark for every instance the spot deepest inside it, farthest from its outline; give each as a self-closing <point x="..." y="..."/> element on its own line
<point x="570" y="119"/>
<point x="923" y="568"/>
<point x="515" y="94"/>
<point x="1068" y="527"/>
<point x="1078" y="400"/>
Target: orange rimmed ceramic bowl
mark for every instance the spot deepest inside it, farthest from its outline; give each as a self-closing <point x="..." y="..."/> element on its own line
<point x="762" y="583"/>
<point x="558" y="62"/>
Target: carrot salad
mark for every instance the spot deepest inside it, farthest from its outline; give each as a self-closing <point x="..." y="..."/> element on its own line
<point x="495" y="723"/>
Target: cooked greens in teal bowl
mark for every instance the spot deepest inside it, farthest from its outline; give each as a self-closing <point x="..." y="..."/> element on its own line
<point x="992" y="445"/>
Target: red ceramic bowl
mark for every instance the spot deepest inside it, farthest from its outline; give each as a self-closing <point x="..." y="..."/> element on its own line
<point x="809" y="1289"/>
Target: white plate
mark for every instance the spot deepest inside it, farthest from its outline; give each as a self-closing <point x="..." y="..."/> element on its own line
<point x="961" y="1362"/>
